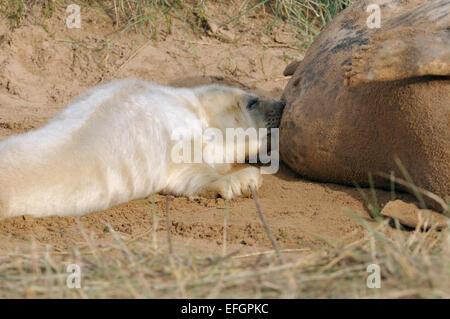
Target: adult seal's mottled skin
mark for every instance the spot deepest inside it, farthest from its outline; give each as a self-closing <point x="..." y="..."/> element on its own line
<point x="363" y="97"/>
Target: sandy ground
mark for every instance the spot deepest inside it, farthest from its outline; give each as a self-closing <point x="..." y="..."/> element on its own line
<point x="44" y="65"/>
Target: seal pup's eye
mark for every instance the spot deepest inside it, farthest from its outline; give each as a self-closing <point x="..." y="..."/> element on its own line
<point x="252" y="104"/>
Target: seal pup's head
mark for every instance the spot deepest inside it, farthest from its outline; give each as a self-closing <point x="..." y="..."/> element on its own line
<point x="228" y="107"/>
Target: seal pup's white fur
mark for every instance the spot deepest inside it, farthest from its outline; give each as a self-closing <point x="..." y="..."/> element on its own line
<point x="112" y="145"/>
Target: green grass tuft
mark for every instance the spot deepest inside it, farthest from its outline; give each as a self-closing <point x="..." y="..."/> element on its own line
<point x="305" y="17"/>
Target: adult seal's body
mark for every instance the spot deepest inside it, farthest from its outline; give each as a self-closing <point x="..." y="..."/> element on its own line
<point x="363" y="97"/>
<point x="117" y="143"/>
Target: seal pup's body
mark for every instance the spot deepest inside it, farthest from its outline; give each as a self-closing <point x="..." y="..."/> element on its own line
<point x="113" y="145"/>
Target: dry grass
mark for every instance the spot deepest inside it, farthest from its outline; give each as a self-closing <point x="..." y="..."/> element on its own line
<point x="413" y="264"/>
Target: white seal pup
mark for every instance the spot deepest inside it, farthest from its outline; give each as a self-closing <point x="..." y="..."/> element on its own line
<point x="115" y="144"/>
